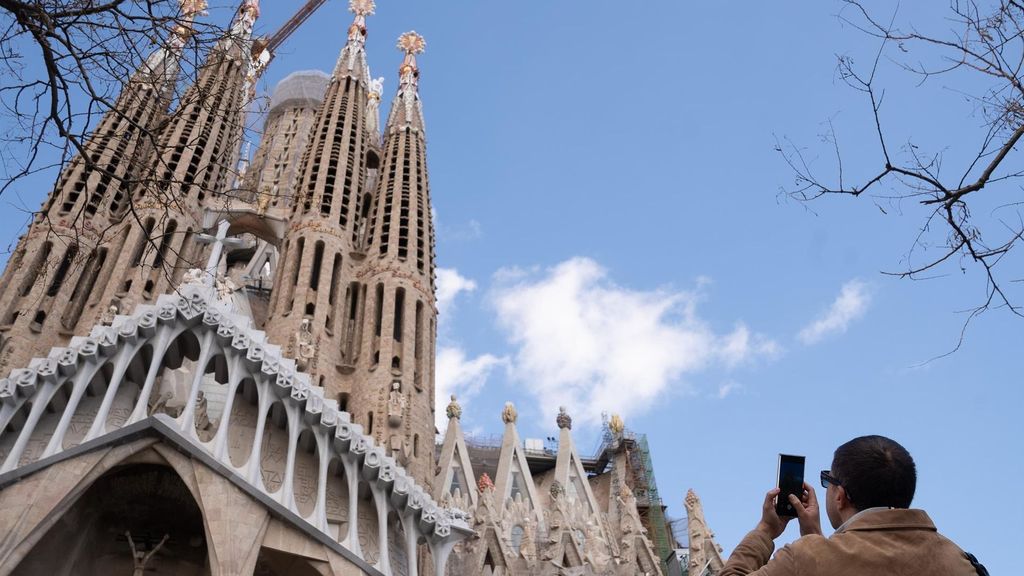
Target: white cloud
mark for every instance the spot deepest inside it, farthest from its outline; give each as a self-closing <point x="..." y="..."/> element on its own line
<point x="851" y="304"/>
<point x="449" y="285"/>
<point x="457" y="374"/>
<point x="727" y="388"/>
<point x="584" y="342"/>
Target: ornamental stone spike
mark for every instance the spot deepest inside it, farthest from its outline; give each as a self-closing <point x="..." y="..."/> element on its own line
<point x="454" y="411"/>
<point x="362" y="9"/>
<point x="563" y="419"/>
<point x="616" y="425"/>
<point x="509" y="414"/>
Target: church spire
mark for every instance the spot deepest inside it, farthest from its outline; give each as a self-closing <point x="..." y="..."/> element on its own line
<point x="55" y="274"/>
<point x="406" y="110"/>
<point x="352" y="60"/>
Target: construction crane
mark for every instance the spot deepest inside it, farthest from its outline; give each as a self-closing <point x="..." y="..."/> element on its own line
<point x="270" y="44"/>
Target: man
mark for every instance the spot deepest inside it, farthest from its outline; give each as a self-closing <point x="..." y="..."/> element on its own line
<point x="867" y="498"/>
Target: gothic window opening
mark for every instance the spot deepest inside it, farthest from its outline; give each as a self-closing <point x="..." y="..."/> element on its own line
<point x="33" y="272"/>
<point x="185" y="256"/>
<point x="38" y="320"/>
<point x="369" y="422"/>
<point x="85" y="286"/>
<point x="399" y="314"/>
<point x="140" y="244"/>
<point x="165" y="243"/>
<point x="458" y="483"/>
<point x="378" y="315"/>
<point x="297" y="265"/>
<point x="62" y="270"/>
<point x="318" y="259"/>
<point x="72" y="197"/>
<point x="343" y="401"/>
<point x="332" y="293"/>
<point x="417" y="378"/>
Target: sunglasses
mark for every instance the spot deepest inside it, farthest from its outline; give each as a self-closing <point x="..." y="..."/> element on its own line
<point x="828" y="479"/>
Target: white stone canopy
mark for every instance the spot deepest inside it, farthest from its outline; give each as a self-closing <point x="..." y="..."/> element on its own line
<point x="266" y="412"/>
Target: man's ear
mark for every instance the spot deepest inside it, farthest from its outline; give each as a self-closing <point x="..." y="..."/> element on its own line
<point x="842" y="500"/>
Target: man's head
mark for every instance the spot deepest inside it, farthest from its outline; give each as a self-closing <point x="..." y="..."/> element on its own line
<point x="873" y="471"/>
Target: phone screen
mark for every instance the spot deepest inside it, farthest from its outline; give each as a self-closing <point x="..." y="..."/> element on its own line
<point x="791" y="481"/>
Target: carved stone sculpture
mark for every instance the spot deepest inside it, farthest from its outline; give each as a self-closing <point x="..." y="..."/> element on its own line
<point x="193" y="276"/>
<point x="509" y="414"/>
<point x="108" y="317"/>
<point x="139" y="557"/>
<point x="225" y="288"/>
<point x="396" y="405"/>
<point x="563" y="419"/>
<point x="305" y="347"/>
<point x="454" y="410"/>
<point x="616" y="425"/>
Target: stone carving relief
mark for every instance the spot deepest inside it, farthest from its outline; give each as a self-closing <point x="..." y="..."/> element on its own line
<point x="305" y="345"/>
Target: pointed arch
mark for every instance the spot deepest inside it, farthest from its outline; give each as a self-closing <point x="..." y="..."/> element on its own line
<point x="146" y="501"/>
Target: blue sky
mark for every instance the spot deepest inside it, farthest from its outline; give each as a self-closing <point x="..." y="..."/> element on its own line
<point x="611" y="236"/>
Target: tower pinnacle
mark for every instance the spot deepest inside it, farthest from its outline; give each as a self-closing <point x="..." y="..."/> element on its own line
<point x="362" y="9"/>
<point x="411" y="44"/>
<point x="405" y="109"/>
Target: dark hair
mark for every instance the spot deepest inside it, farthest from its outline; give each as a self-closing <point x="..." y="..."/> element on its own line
<point x="875" y="471"/>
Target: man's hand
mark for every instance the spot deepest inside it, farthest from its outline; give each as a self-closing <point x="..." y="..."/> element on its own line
<point x="807" y="511"/>
<point x="771" y="524"/>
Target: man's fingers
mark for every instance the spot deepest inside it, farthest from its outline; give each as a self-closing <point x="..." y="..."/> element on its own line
<point x="810" y="496"/>
<point x="769" y="498"/>
<point x="797" y="505"/>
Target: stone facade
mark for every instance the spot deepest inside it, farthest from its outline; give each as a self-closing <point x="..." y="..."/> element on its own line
<point x="543" y="512"/>
<point x="217" y="368"/>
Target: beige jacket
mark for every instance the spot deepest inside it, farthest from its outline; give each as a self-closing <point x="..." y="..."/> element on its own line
<point x="876" y="542"/>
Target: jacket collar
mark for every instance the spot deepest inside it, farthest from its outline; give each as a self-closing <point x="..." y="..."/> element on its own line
<point x="888" y="519"/>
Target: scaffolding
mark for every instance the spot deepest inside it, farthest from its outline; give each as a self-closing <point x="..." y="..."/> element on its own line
<point x="648" y="500"/>
<point x="639" y="477"/>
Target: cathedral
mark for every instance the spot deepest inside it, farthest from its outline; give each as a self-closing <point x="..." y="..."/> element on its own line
<point x="213" y="365"/>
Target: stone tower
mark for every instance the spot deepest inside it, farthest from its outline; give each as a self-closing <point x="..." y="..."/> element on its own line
<point x="286" y="132"/>
<point x="76" y="236"/>
<point x="353" y="297"/>
<point x="318" y="257"/>
<point x="196" y="155"/>
<point x="394" y="370"/>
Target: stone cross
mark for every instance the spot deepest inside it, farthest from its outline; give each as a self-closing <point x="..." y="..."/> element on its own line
<point x="219" y="242"/>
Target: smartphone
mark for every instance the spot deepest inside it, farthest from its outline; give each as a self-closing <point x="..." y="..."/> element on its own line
<point x="790" y="481"/>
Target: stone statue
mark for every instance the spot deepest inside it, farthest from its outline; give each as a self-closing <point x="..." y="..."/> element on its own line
<point x="563" y="419"/>
<point x="509" y="414"/>
<point x="377" y="87"/>
<point x="396" y="404"/>
<point x="454" y="411"/>
<point x="616" y="425"/>
<point x="193" y="276"/>
<point x="140" y="558"/>
<point x="262" y="202"/>
<point x="202" y="416"/>
<point x="305" y="347"/>
<point x="225" y="288"/>
<point x="109" y="315"/>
